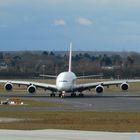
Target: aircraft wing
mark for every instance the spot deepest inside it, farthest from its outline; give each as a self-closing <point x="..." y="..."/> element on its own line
<point x="86" y="86"/>
<point x="36" y="84"/>
<point x="49" y="76"/>
<point x="88" y="76"/>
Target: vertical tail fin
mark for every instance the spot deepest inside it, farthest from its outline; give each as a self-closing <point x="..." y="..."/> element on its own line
<point x="70" y="57"/>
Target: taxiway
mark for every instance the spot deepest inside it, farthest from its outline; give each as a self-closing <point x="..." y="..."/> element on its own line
<point x="117" y="102"/>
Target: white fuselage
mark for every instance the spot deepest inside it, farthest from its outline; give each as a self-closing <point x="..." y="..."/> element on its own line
<point x="65" y="81"/>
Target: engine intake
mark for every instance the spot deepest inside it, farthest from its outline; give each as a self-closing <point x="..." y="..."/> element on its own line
<point x="31" y="89"/>
<point x="124" y="86"/>
<point x="99" y="89"/>
<point x="8" y="86"/>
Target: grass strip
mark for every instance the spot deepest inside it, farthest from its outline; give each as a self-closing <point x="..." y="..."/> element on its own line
<point x="93" y="121"/>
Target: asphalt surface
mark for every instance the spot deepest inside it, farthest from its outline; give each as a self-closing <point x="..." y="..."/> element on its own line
<point x="65" y="135"/>
<point x="118" y="102"/>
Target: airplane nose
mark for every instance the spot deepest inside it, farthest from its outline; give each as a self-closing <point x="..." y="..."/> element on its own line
<point x="63" y="87"/>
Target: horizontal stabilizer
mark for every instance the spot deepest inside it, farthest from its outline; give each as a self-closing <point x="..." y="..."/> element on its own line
<point x="49" y="76"/>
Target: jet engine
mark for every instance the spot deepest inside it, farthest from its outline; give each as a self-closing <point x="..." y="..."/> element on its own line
<point x="8" y="86"/>
<point x="31" y="89"/>
<point x="99" y="89"/>
<point x="124" y="86"/>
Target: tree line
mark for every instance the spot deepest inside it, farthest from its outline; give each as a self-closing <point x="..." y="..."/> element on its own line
<point x="31" y="64"/>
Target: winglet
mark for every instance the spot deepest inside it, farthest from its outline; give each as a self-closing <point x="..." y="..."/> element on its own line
<point x="70" y="57"/>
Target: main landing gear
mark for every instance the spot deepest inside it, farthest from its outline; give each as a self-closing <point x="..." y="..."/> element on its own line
<point x="81" y="95"/>
<point x="74" y="94"/>
<point x="52" y="95"/>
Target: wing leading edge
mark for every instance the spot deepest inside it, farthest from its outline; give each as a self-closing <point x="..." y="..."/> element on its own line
<point x="86" y="86"/>
<point x="36" y="84"/>
<point x="78" y="87"/>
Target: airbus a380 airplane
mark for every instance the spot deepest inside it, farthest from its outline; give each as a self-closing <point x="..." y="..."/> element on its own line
<point x="66" y="83"/>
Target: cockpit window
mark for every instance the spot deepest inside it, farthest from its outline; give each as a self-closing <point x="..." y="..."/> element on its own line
<point x="64" y="81"/>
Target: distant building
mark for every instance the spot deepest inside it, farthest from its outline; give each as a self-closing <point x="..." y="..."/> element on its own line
<point x="3" y="66"/>
<point x="111" y="67"/>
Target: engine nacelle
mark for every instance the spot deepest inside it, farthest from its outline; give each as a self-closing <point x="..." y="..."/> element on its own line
<point x="31" y="89"/>
<point x="124" y="86"/>
<point x="8" y="86"/>
<point x="99" y="89"/>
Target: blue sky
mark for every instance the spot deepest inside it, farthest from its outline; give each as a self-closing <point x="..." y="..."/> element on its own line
<point x="94" y="25"/>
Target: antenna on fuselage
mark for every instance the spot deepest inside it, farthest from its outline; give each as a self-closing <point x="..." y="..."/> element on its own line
<point x="70" y="57"/>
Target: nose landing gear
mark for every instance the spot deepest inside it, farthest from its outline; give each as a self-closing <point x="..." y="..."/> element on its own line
<point x="62" y="94"/>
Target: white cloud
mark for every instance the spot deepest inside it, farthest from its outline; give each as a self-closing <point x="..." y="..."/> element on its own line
<point x="60" y="22"/>
<point x="84" y="21"/>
